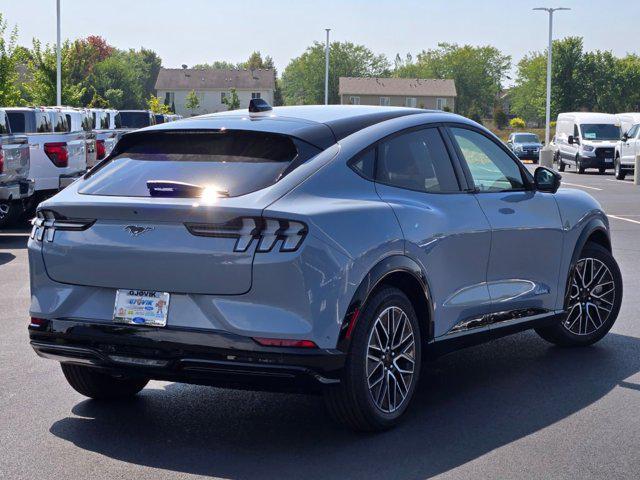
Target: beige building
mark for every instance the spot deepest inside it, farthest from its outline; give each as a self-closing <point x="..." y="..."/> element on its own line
<point x="174" y="84"/>
<point x="427" y="93"/>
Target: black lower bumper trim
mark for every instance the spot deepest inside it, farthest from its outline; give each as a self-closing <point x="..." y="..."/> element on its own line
<point x="189" y="356"/>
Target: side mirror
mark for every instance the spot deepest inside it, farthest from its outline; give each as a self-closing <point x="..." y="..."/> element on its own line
<point x="546" y="180"/>
<point x="625" y="136"/>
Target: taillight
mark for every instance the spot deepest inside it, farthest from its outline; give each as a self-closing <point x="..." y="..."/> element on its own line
<point x="57" y="153"/>
<point x="285" y="342"/>
<point x="268" y="232"/>
<point x="1" y="161"/>
<point x="101" y="149"/>
<point x="47" y="222"/>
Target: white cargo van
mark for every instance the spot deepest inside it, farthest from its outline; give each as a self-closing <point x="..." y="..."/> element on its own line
<point x="586" y="140"/>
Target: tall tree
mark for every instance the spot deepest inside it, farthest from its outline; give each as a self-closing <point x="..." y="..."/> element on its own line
<point x="478" y="73"/>
<point x="232" y="101"/>
<point x="303" y="78"/>
<point x="193" y="102"/>
<point x="9" y="91"/>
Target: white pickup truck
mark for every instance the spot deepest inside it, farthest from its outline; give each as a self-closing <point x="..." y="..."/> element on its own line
<point x="108" y="128"/>
<point x="80" y="120"/>
<point x="15" y="186"/>
<point x="58" y="156"/>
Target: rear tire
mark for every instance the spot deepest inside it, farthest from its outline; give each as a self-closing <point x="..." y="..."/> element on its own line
<point x="360" y="401"/>
<point x="602" y="170"/>
<point x="93" y="383"/>
<point x="9" y="213"/>
<point x="582" y="326"/>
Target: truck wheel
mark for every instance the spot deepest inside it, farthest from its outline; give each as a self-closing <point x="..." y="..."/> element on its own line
<point x="9" y="213"/>
<point x="592" y="303"/>
<point x="620" y="174"/>
<point x="602" y="170"/>
<point x="560" y="162"/>
<point x="579" y="165"/>
<point x="382" y="367"/>
<point x="93" y="383"/>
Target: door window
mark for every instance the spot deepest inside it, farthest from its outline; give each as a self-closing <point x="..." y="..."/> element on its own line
<point x="416" y="160"/>
<point x="492" y="169"/>
<point x="632" y="133"/>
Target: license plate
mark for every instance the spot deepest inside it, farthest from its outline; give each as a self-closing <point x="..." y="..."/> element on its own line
<point x="141" y="307"/>
<point x="608" y="160"/>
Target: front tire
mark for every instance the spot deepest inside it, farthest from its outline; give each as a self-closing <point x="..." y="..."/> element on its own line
<point x="592" y="304"/>
<point x="620" y="174"/>
<point x="382" y="367"/>
<point x="579" y="166"/>
<point x="560" y="162"/>
<point x="98" y="385"/>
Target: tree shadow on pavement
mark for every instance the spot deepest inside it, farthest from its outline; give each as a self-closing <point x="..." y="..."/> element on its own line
<point x="468" y="404"/>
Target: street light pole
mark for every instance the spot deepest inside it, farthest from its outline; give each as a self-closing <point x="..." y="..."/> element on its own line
<point x="549" y="53"/>
<point x="326" y="69"/>
<point x="58" y="60"/>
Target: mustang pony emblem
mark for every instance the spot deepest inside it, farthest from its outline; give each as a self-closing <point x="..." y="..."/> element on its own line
<point x="136" y="230"/>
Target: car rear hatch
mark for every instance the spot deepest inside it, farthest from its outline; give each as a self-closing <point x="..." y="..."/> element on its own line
<point x="171" y="211"/>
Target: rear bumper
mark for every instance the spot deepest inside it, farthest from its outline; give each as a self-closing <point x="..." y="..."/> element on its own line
<point x="17" y="190"/>
<point x="186" y="355"/>
<point x="68" y="179"/>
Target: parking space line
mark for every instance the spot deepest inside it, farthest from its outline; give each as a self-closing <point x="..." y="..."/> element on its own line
<point x="625" y="219"/>
<point x="619" y="182"/>
<point x="581" y="186"/>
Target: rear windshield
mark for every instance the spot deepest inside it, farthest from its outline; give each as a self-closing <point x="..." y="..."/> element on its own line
<point x="30" y="122"/>
<point x="134" y="119"/>
<point x="101" y="120"/>
<point x="233" y="162"/>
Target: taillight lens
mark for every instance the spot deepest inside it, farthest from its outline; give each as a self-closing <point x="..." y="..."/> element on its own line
<point x="47" y="222"/>
<point x="1" y="161"/>
<point x="268" y="232"/>
<point x="285" y="342"/>
<point x="57" y="153"/>
<point x="101" y="149"/>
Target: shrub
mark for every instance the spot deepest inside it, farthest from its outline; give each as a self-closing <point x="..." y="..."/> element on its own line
<point x="500" y="118"/>
<point x="552" y="124"/>
<point x="517" y="123"/>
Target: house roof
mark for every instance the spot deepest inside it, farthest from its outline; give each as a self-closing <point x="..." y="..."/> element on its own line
<point x="419" y="87"/>
<point x="197" y="79"/>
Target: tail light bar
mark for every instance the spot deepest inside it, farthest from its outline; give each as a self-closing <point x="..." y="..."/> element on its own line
<point x="268" y="232"/>
<point x="1" y="161"/>
<point x="57" y="153"/>
<point x="101" y="149"/>
<point x="284" y="342"/>
<point x="47" y="222"/>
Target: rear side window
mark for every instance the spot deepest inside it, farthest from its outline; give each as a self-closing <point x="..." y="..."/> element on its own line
<point x="416" y="160"/>
<point x="87" y="123"/>
<point x="59" y="122"/>
<point x="18" y="122"/>
<point x="4" y="124"/>
<point x="233" y="162"/>
<point x="117" y="121"/>
<point x="43" y="123"/>
<point x="364" y="163"/>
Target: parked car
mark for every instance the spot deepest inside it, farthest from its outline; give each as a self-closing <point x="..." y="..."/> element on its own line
<point x="626" y="150"/>
<point x="325" y="248"/>
<point x="134" y="119"/>
<point x="627" y="120"/>
<point x="108" y="128"/>
<point x="161" y="118"/>
<point x="587" y="140"/>
<point x="526" y="146"/>
<point x="57" y="156"/>
<point x="80" y="120"/>
<point x="15" y="185"/>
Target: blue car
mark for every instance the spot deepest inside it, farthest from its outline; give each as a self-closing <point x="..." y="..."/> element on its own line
<point x="326" y="249"/>
<point x="526" y="146"/>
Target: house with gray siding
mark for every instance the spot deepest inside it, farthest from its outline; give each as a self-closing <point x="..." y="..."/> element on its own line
<point x="212" y="86"/>
<point x="430" y="93"/>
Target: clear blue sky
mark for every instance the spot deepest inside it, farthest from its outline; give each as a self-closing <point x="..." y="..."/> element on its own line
<point x="195" y="31"/>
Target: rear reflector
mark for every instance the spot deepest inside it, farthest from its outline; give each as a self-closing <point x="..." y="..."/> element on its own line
<point x="57" y="153"/>
<point x="1" y="161"/>
<point x="284" y="342"/>
<point x="37" y="322"/>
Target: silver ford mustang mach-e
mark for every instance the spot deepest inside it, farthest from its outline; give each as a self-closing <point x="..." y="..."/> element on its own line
<point x="327" y="249"/>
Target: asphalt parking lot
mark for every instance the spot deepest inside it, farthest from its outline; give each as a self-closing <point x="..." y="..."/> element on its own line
<point x="514" y="408"/>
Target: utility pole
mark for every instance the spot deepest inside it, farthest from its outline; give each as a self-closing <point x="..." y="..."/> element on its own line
<point x="326" y="69"/>
<point x="549" y="52"/>
<point x="58" y="60"/>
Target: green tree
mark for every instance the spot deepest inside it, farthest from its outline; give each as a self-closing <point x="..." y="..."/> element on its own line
<point x="500" y="118"/>
<point x="303" y="78"/>
<point x="156" y="106"/>
<point x="478" y="73"/>
<point x="232" y="101"/>
<point x="9" y="55"/>
<point x="193" y="102"/>
<point x="217" y="65"/>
